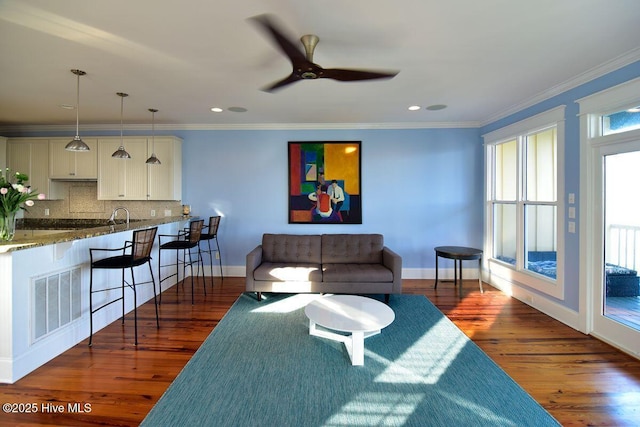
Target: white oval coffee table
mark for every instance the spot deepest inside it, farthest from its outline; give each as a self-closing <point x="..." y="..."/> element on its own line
<point x="361" y="317"/>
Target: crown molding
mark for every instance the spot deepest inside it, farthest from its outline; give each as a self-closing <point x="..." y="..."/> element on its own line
<point x="582" y="78"/>
<point x="15" y="129"/>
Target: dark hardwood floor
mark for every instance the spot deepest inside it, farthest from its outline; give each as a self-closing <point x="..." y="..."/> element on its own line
<point x="580" y="380"/>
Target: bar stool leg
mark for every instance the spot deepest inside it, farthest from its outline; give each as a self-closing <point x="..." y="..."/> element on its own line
<point x="191" y="267"/>
<point x="90" y="307"/>
<point x="201" y="263"/>
<point x="155" y="295"/>
<point x="135" y="306"/>
<point x="210" y="260"/>
<point x="122" y="296"/>
<point x="159" y="274"/>
<point x="219" y="261"/>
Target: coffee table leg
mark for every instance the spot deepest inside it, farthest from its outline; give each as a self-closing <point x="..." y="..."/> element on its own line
<point x="356" y="348"/>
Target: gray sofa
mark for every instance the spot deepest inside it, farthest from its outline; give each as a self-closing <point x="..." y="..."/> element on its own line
<point x="327" y="263"/>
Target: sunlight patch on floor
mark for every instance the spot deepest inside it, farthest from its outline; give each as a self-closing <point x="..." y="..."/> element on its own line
<point x="427" y="360"/>
<point x="376" y="409"/>
<point x="286" y="305"/>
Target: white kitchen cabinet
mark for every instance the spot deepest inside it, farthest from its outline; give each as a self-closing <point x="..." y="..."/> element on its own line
<point x="134" y="179"/>
<point x="31" y="157"/>
<point x="122" y="179"/>
<point x="69" y="165"/>
<point x="165" y="180"/>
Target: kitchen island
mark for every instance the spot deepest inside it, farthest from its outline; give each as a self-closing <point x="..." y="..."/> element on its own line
<point x="44" y="291"/>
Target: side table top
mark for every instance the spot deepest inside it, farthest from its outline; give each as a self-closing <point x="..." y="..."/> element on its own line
<point x="458" y="251"/>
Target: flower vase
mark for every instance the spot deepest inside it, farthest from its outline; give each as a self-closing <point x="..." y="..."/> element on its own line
<point x="7" y="226"/>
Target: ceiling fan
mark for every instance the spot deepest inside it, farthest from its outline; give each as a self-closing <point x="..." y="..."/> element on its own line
<point x="302" y="62"/>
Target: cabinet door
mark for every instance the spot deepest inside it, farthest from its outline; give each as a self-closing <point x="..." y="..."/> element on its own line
<point x="86" y="164"/>
<point x="61" y="161"/>
<point x="122" y="179"/>
<point x="65" y="164"/>
<point x="165" y="180"/>
<point x="30" y="156"/>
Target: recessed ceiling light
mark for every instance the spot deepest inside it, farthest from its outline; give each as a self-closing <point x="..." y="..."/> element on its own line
<point x="436" y="107"/>
<point x="237" y="109"/>
<point x="217" y="110"/>
<point x="414" y="108"/>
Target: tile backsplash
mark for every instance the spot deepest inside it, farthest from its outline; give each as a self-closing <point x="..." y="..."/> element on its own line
<point x="81" y="202"/>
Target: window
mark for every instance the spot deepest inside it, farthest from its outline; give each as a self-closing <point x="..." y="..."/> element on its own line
<point x="621" y="121"/>
<point x="524" y="213"/>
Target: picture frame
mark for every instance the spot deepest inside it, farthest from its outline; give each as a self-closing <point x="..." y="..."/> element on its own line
<point x="325" y="182"/>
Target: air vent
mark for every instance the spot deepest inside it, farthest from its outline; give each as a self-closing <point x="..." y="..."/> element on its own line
<point x="56" y="301"/>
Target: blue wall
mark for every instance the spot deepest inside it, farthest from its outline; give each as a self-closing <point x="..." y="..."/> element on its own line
<point x="420" y="188"/>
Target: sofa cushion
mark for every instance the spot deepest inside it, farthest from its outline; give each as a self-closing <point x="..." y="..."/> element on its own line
<point x="356" y="273"/>
<point x="291" y="248"/>
<point x="284" y="272"/>
<point x="352" y="248"/>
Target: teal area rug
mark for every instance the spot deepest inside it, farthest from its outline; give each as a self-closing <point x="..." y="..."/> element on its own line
<point x="260" y="367"/>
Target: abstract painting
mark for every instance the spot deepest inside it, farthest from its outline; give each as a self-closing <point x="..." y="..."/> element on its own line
<point x="324" y="182"/>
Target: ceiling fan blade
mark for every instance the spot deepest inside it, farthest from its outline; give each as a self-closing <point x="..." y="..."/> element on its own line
<point x="346" y="75"/>
<point x="284" y="43"/>
<point x="292" y="78"/>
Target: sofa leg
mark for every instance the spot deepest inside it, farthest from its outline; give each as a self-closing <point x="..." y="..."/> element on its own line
<point x="386" y="298"/>
<point x="259" y="296"/>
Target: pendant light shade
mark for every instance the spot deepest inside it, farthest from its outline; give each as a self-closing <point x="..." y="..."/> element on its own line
<point x="121" y="153"/>
<point x="77" y="144"/>
<point x="153" y="160"/>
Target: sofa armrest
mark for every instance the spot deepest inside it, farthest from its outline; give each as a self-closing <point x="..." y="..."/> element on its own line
<point x="254" y="259"/>
<point x="393" y="262"/>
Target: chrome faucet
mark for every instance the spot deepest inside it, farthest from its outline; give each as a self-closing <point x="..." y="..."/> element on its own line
<point x="112" y="218"/>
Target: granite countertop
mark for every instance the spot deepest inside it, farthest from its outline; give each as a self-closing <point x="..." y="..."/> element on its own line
<point x="75" y="229"/>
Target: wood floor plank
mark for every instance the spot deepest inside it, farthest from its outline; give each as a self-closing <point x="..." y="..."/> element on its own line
<point x="580" y="380"/>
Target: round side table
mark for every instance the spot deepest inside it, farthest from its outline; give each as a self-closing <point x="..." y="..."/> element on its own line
<point x="459" y="254"/>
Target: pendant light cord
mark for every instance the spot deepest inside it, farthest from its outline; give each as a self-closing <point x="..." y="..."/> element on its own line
<point x="78" y="105"/>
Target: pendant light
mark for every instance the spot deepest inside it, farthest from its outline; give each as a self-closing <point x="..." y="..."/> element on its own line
<point x="121" y="153"/>
<point x="153" y="160"/>
<point x="77" y="144"/>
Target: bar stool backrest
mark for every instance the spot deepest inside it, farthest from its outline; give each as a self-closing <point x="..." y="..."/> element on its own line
<point x="195" y="230"/>
<point x="214" y="222"/>
<point x="143" y="243"/>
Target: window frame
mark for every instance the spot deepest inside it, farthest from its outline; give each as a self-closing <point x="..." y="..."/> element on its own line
<point x="517" y="274"/>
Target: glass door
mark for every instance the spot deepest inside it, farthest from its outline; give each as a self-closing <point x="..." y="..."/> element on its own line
<point x="621" y="286"/>
<point x="616" y="302"/>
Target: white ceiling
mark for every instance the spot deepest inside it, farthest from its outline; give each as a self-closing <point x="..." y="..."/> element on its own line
<point x="483" y="59"/>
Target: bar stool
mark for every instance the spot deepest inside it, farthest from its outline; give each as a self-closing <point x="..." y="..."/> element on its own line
<point x="212" y="234"/>
<point x="140" y="253"/>
<point x="184" y="241"/>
